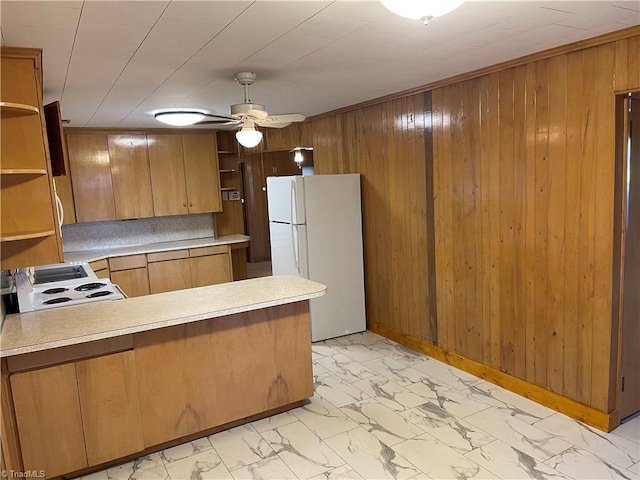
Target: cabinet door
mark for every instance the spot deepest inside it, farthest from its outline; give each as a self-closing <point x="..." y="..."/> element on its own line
<point x="210" y="270"/>
<point x="169" y="275"/>
<point x="131" y="177"/>
<point x="91" y="174"/>
<point x="202" y="173"/>
<point x="167" y="175"/>
<point x="134" y="282"/>
<point x="108" y="392"/>
<point x="49" y="419"/>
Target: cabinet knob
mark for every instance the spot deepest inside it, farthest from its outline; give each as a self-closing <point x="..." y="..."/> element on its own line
<point x="191" y="204"/>
<point x="184" y="205"/>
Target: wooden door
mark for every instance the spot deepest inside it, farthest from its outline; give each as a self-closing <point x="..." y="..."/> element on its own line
<point x="169" y="275"/>
<point x="202" y="173"/>
<point x="130" y="175"/>
<point x="108" y="392"/>
<point x="630" y="362"/>
<point x="49" y="419"/>
<point x="134" y="282"/>
<point x="211" y="270"/>
<point x="167" y="175"/>
<point x="91" y="174"/>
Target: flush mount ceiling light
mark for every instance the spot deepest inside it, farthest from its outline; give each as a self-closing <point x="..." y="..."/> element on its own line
<point x="423" y="10"/>
<point x="179" y="119"/>
<point x="248" y="136"/>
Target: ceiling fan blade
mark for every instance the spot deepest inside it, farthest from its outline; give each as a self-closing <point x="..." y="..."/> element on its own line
<point x="280" y="119"/>
<point x="257" y="114"/>
<point x="219" y="122"/>
<point x="275" y="125"/>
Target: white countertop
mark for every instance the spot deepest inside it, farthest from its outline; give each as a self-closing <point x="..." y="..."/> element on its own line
<point x="59" y="327"/>
<point x="99" y="254"/>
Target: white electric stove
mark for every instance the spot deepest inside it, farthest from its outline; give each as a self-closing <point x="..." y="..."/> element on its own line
<point x="62" y="285"/>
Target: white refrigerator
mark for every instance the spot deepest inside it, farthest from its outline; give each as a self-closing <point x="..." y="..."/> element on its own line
<point x="315" y="225"/>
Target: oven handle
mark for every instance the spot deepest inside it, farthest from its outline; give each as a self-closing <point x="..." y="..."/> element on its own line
<point x="117" y="287"/>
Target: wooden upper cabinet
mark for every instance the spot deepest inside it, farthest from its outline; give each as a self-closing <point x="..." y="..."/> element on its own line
<point x="167" y="175"/>
<point x="91" y="173"/>
<point x="130" y="176"/>
<point x="201" y="172"/>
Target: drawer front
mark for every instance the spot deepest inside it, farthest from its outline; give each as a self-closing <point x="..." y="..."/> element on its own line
<point x="163" y="256"/>
<point x="127" y="263"/>
<point x="99" y="265"/>
<point x="213" y="250"/>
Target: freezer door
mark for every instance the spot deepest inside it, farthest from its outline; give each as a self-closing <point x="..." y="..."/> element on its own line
<point x="285" y="199"/>
<point x="289" y="249"/>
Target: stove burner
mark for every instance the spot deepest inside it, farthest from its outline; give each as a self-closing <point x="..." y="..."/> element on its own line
<point x="52" y="291"/>
<point x="104" y="293"/>
<point x="90" y="286"/>
<point x="57" y="300"/>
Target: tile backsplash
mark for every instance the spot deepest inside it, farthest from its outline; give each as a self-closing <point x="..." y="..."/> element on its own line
<point x="122" y="233"/>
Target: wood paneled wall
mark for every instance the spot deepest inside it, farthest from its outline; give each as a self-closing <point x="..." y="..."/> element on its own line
<point x="386" y="144"/>
<point x="509" y="260"/>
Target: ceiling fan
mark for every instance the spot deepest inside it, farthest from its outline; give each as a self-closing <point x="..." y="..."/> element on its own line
<point x="246" y="114"/>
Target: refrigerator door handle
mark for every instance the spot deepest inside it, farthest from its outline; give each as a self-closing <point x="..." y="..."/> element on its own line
<point x="294" y="243"/>
<point x="292" y="204"/>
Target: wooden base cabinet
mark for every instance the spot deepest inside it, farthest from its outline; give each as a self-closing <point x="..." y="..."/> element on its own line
<point x="79" y="414"/>
<point x="196" y="267"/>
<point x="130" y="274"/>
<point x="49" y="419"/>
<point x="73" y="414"/>
<point x="109" y="399"/>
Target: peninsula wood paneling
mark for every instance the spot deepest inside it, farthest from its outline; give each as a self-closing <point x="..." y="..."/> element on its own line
<point x="521" y="163"/>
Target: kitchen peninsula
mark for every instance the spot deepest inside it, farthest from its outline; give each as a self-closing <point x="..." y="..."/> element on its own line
<point x="86" y="385"/>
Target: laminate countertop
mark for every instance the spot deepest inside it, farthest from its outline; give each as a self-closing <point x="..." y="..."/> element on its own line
<point x="102" y="253"/>
<point x="59" y="327"/>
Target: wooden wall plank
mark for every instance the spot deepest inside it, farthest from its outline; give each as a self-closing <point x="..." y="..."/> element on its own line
<point x="530" y="230"/>
<point x="519" y="219"/>
<point x="485" y="234"/>
<point x="622" y="65"/>
<point x="507" y="307"/>
<point x="494" y="216"/>
<point x="587" y="225"/>
<point x="602" y="393"/>
<point x="572" y="223"/>
<point x="459" y="238"/>
<point x="556" y="221"/>
<point x="541" y="208"/>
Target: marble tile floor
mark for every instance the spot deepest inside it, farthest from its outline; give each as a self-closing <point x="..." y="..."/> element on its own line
<point x="382" y="411"/>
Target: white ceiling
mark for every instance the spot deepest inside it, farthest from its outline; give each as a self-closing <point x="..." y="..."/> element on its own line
<point x="114" y="63"/>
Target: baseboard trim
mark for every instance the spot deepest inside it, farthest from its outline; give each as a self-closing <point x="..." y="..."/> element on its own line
<point x="589" y="415"/>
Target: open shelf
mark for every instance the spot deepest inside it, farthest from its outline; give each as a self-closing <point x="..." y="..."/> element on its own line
<point x="227" y="189"/>
<point x="226" y="152"/>
<point x="9" y="109"/>
<point x="27" y="235"/>
<point x="33" y="172"/>
<point x="231" y="170"/>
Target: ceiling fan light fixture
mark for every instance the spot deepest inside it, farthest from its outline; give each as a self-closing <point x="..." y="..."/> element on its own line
<point x="179" y="119"/>
<point x="248" y="136"/>
<point x="423" y="10"/>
